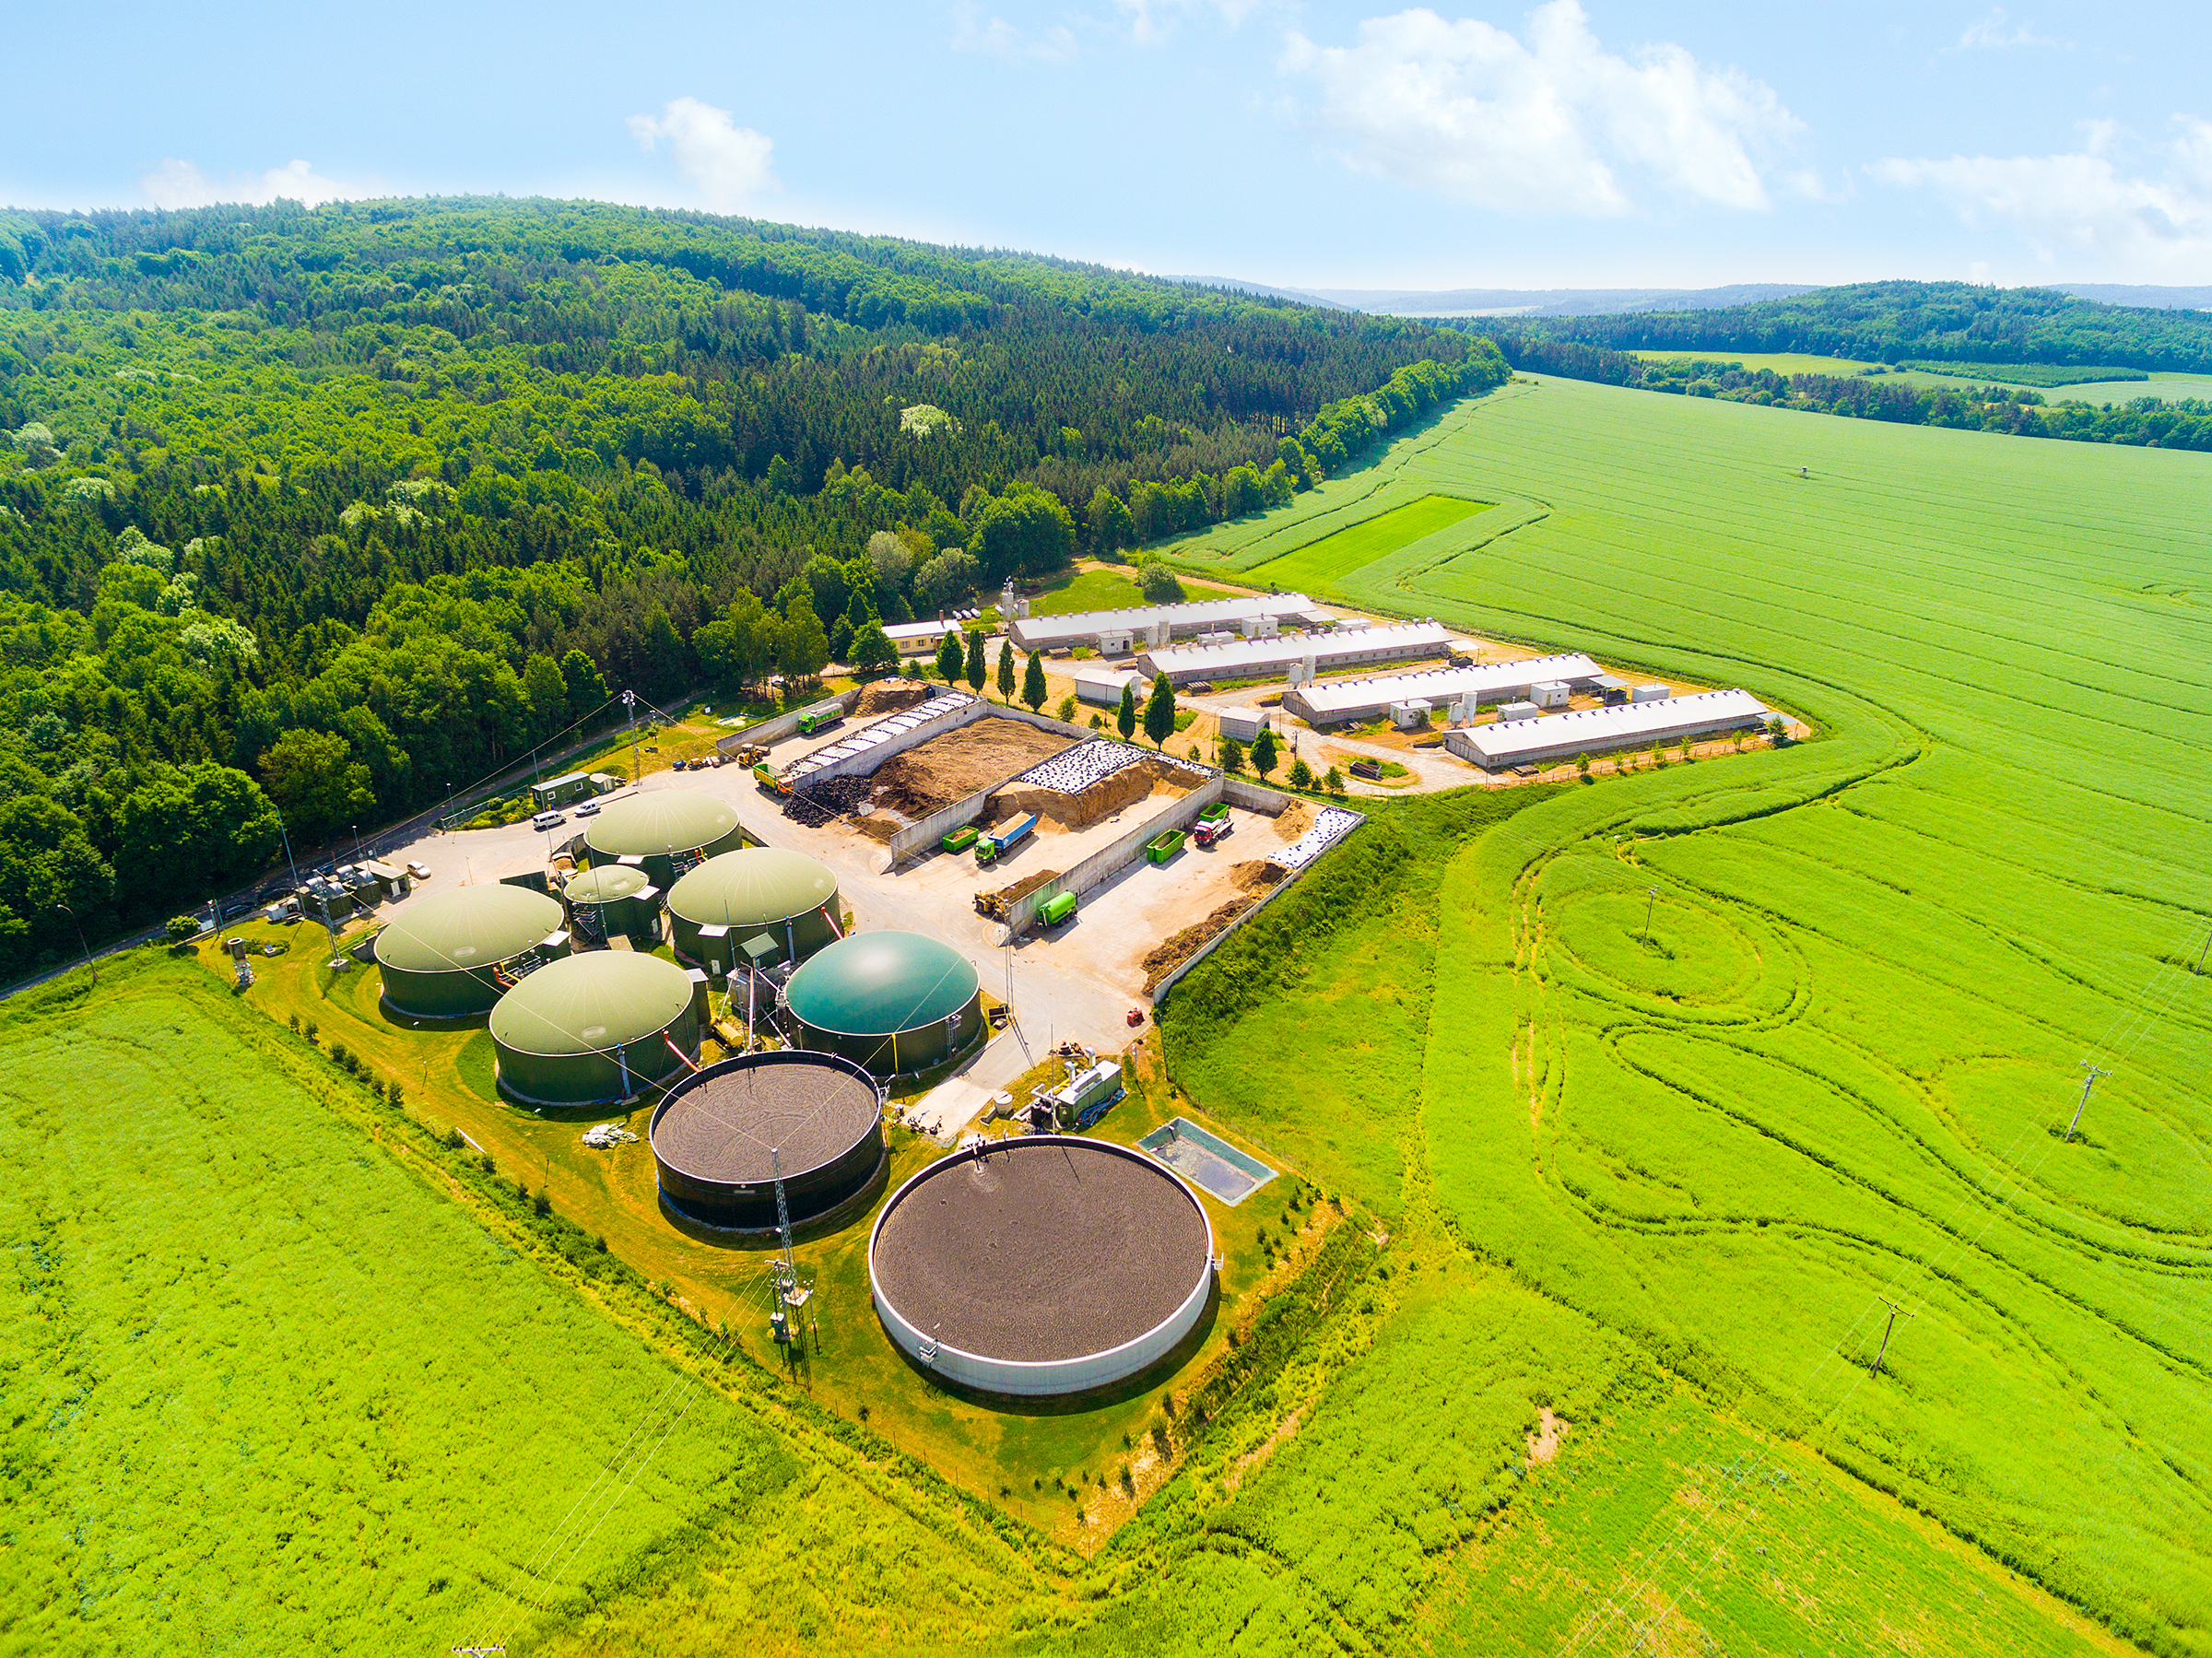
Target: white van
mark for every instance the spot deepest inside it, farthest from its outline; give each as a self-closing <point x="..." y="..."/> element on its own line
<point x="548" y="820"/>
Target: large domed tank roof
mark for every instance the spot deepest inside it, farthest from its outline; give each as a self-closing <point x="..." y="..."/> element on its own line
<point x="467" y="928"/>
<point x="589" y="1004"/>
<point x="660" y="823"/>
<point x="880" y="984"/>
<point x="752" y="887"/>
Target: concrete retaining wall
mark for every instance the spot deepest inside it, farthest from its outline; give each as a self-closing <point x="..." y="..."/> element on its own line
<point x="783" y="726"/>
<point x="1119" y="855"/>
<point x="1159" y="991"/>
<point x="920" y="836"/>
<point x="1254" y="797"/>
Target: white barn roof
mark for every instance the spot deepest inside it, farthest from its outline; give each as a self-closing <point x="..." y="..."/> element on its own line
<point x="1364" y="699"/>
<point x="1253" y="658"/>
<point x="1601" y="730"/>
<point x="1080" y="627"/>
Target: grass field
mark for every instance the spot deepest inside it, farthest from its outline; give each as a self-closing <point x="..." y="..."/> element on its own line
<point x="2158" y="385"/>
<point x="1842" y="1063"/>
<point x="1647" y="1177"/>
<point x="1099" y="587"/>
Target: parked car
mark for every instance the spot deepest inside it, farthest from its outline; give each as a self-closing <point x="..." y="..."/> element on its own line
<point x="421" y="872"/>
<point x="548" y="820"/>
<point x="589" y="808"/>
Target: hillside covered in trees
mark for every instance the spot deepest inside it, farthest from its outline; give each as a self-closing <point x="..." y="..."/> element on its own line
<point x="336" y="511"/>
<point x="1896" y="323"/>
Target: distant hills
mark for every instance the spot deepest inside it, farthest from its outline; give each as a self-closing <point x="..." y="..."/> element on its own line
<point x="1618" y="302"/>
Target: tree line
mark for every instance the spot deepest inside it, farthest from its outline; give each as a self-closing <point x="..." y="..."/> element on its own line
<point x="328" y="514"/>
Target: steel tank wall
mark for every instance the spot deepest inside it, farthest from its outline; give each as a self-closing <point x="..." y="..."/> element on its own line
<point x="906" y="1050"/>
<point x="1035" y="1378"/>
<point x="454" y="994"/>
<point x="808" y="1192"/>
<point x="599" y="1076"/>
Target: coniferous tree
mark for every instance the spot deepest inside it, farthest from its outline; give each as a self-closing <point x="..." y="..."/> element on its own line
<point x="1033" y="691"/>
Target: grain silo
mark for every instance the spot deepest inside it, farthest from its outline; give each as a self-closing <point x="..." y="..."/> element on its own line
<point x="594" y="1027"/>
<point x="735" y="897"/>
<point x="1043" y="1264"/>
<point x="448" y="955"/>
<point x="896" y="1002"/>
<point x="723" y="1137"/>
<point x="665" y="831"/>
<point x="613" y="900"/>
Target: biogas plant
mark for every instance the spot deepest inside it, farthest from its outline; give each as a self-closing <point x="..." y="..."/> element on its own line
<point x="724" y="990"/>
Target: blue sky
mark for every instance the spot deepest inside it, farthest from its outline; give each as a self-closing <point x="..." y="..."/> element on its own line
<point x="1316" y="145"/>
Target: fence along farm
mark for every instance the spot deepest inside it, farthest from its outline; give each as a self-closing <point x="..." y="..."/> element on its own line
<point x="1839" y="1064"/>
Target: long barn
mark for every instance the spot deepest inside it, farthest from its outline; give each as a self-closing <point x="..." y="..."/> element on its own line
<point x="1550" y="737"/>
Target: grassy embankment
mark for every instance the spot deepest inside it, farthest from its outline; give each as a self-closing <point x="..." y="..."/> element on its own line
<point x="1841" y="1063"/>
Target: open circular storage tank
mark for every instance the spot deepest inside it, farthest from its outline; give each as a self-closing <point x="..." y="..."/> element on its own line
<point x="720" y="1138"/>
<point x="593" y="1027"/>
<point x="442" y="957"/>
<point x="612" y="899"/>
<point x="753" y="890"/>
<point x="896" y="1002"/>
<point x="660" y="828"/>
<point x="1049" y="1264"/>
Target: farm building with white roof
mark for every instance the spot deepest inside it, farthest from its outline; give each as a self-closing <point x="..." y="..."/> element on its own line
<point x="1549" y="738"/>
<point x="1343" y="701"/>
<point x="1310" y="653"/>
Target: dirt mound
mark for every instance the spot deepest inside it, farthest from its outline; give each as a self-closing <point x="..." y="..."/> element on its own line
<point x="889" y="696"/>
<point x="1294" y="820"/>
<point x="1101" y="800"/>
<point x="1166" y="957"/>
<point x="1255" y="874"/>
<point x="955" y="765"/>
<point x="992" y="906"/>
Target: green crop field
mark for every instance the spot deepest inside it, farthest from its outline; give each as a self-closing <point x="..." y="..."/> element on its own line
<point x="1316" y="568"/>
<point x="1839" y="1064"/>
<point x="1101" y="588"/>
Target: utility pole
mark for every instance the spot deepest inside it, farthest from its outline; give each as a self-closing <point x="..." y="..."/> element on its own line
<point x="630" y="703"/>
<point x="2088" y="1082"/>
<point x="1896" y="1312"/>
<point x="1651" y="897"/>
<point x="2201" y="954"/>
<point x="80" y="925"/>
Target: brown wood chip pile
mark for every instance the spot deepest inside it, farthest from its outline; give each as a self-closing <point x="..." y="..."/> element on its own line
<point x="1294" y="820"/>
<point x="955" y="765"/>
<point x="1110" y="795"/>
<point x="1166" y="957"/>
<point x="889" y="696"/>
<point x="1256" y="874"/>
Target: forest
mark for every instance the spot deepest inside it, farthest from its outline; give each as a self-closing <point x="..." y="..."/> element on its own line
<point x="1896" y="322"/>
<point x="310" y="518"/>
<point x="2151" y="422"/>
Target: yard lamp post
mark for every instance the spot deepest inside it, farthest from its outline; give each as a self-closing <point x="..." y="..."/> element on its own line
<point x="80" y="925"/>
<point x="290" y="862"/>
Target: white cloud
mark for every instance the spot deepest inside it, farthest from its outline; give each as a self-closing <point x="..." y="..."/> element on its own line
<point x="1993" y="33"/>
<point x="2084" y="205"/>
<point x="726" y="164"/>
<point x="994" y="37"/>
<point x="177" y="183"/>
<point x="1559" y="125"/>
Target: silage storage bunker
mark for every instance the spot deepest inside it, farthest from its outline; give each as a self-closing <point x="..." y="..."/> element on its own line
<point x="664" y="833"/>
<point x="1045" y="1263"/>
<point x="746" y="893"/>
<point x="448" y="955"/>
<point x="594" y="1027"/>
<point x="896" y="1002"/>
<point x="722" y="1137"/>
<point x="612" y="899"/>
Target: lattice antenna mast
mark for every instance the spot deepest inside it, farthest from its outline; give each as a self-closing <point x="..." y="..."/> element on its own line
<point x="1896" y="1312"/>
<point x="775" y="1164"/>
<point x="2088" y="1082"/>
